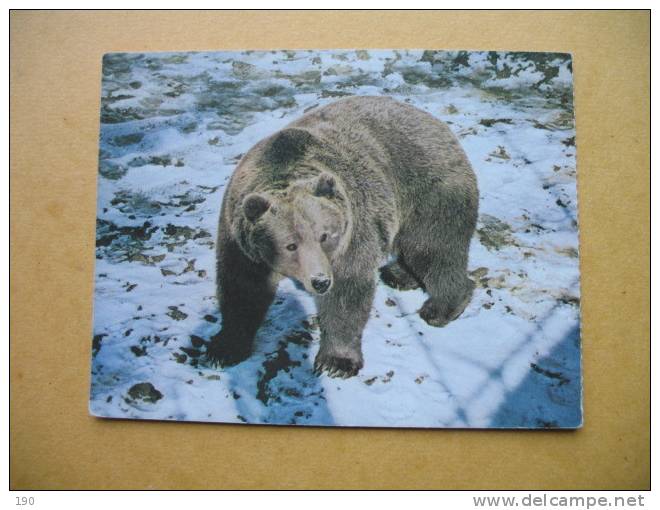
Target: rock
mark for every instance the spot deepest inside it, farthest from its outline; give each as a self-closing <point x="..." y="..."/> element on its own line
<point x="160" y="160"/>
<point x="244" y="70"/>
<point x="568" y="251"/>
<point x="96" y="343"/>
<point x="388" y="376"/>
<point x="567" y="299"/>
<point x="189" y="128"/>
<point x="146" y="392"/>
<point x="480" y="272"/>
<point x="139" y="351"/>
<point x="190" y="266"/>
<point x="492" y="122"/>
<point x="129" y="139"/>
<point x="184" y="232"/>
<point x="339" y="70"/>
<point x="177" y="58"/>
<point x="111" y="170"/>
<point x="214" y="126"/>
<point x="494" y="234"/>
<point x="370" y="381"/>
<point x="500" y="153"/>
<point x="176" y="314"/>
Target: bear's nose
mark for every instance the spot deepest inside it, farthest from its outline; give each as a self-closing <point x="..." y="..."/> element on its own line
<point x="321" y="283"/>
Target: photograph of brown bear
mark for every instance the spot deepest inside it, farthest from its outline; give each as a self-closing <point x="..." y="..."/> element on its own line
<point x="325" y="202"/>
<point x="341" y="237"/>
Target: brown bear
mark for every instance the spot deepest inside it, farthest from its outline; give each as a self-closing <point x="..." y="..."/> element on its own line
<point x="326" y="201"/>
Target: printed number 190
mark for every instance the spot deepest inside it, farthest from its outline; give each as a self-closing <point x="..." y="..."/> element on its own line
<point x="23" y="500"/>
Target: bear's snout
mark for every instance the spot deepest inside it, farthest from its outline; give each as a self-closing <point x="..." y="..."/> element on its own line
<point x="321" y="283"/>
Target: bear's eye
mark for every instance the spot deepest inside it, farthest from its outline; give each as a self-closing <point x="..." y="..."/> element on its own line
<point x="324" y="238"/>
<point x="292" y="247"/>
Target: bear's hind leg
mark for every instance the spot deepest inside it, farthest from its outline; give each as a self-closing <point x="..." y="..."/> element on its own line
<point x="442" y="269"/>
<point x="449" y="296"/>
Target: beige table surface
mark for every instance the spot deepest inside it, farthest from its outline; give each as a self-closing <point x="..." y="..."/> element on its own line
<point x="55" y="85"/>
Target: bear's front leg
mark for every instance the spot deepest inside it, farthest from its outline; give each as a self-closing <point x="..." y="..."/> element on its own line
<point x="343" y="313"/>
<point x="245" y="292"/>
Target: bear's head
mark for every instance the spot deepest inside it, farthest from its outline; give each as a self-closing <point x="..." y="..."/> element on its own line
<point x="299" y="231"/>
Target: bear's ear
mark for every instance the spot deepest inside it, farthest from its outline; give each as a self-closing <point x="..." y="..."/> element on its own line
<point x="287" y="147"/>
<point x="325" y="185"/>
<point x="254" y="206"/>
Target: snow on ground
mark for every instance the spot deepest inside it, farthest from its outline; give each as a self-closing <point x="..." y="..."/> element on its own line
<point x="173" y="127"/>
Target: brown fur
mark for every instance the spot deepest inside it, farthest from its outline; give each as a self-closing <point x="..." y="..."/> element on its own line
<point x="325" y="201"/>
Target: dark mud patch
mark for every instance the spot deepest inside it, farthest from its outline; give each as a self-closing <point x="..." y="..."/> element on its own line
<point x="494" y="234"/>
<point x="492" y="122"/>
<point x="184" y="232"/>
<point x="499" y="153"/>
<point x="176" y="314"/>
<point x="136" y="203"/>
<point x="276" y="362"/>
<point x="569" y="142"/>
<point x="139" y="351"/>
<point x="129" y="139"/>
<point x="97" y="342"/>
<point x="144" y="392"/>
<point x="550" y="374"/>
<point x="569" y="300"/>
<point x="108" y="232"/>
<point x="158" y="160"/>
<point x="111" y="171"/>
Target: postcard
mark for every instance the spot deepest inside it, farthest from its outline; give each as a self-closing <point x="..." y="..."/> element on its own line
<point x="356" y="238"/>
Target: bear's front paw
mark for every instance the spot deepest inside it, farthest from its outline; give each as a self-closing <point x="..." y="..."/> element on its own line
<point x="337" y="365"/>
<point x="221" y="353"/>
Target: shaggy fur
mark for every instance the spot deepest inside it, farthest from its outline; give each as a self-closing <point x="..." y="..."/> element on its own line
<point x="325" y="201"/>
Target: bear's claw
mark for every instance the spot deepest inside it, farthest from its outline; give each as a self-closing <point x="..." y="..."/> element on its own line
<point x="337" y="367"/>
<point x="219" y="354"/>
